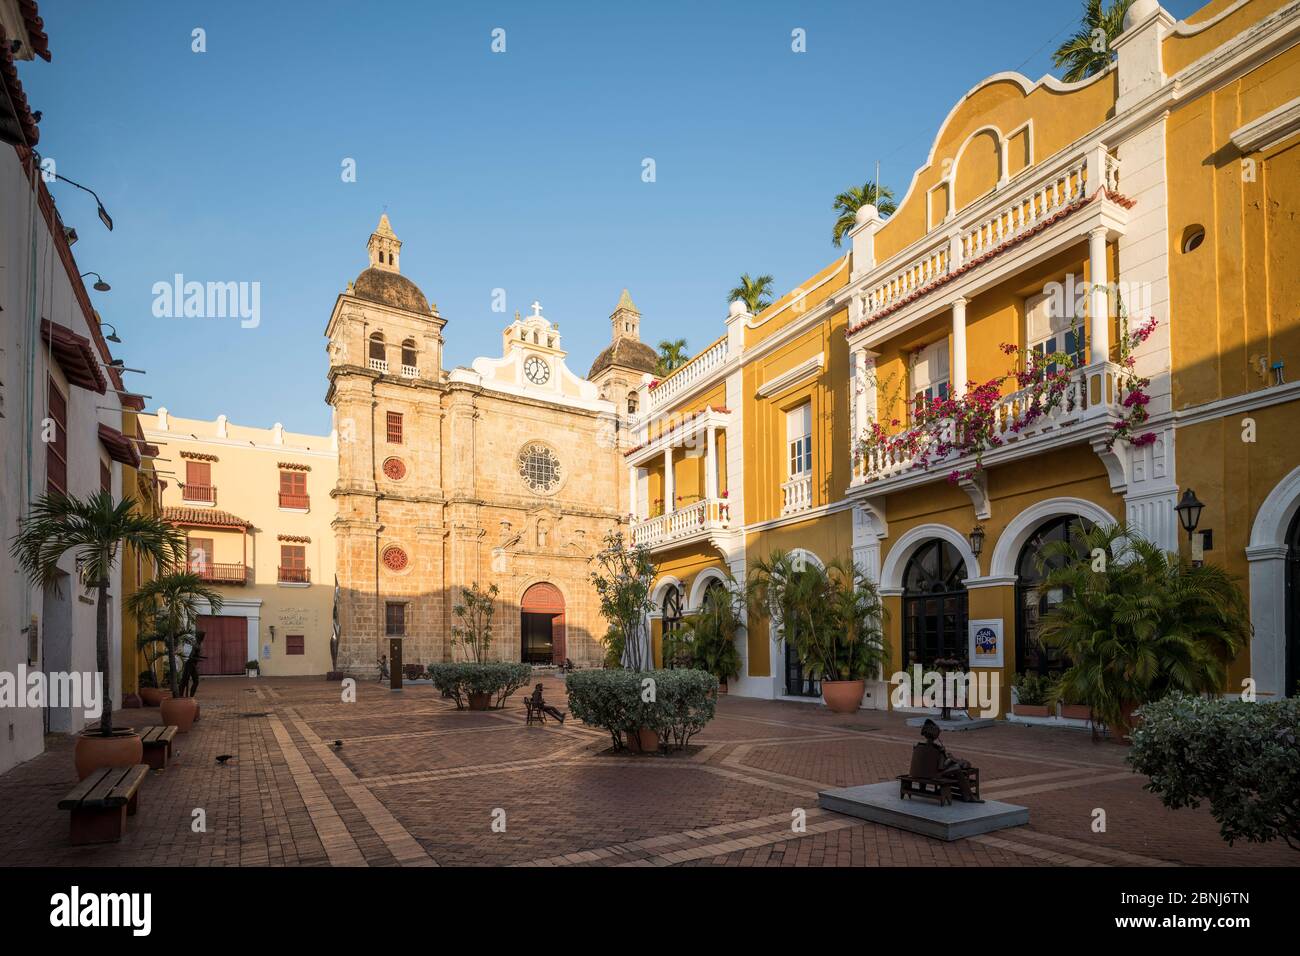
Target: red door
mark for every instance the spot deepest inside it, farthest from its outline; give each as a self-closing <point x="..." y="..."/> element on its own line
<point x="225" y="644"/>
<point x="546" y="599"/>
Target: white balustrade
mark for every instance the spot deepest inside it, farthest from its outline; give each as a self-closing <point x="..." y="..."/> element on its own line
<point x="377" y="365"/>
<point x="702" y="516"/>
<point x="796" y="494"/>
<point x="690" y="373"/>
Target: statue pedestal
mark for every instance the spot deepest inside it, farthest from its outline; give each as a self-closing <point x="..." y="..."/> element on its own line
<point x="880" y="803"/>
<point x="959" y="721"/>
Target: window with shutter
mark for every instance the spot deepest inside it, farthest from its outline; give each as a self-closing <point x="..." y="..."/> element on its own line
<point x="198" y="482"/>
<point x="295" y="644"/>
<point x="56" y="449"/>
<point x="293" y="489"/>
<point x="798" y="437"/>
<point x="293" y="564"/>
<point x="394" y="428"/>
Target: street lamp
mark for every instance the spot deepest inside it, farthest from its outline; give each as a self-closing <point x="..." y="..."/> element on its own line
<point x="1189" y="510"/>
<point x="104" y="217"/>
<point x="977" y="540"/>
<point x="100" y="285"/>
<point x="112" y="336"/>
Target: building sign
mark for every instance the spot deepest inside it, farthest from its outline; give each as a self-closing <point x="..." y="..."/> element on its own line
<point x="985" y="643"/>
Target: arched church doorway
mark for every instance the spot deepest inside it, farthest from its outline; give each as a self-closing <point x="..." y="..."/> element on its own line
<point x="541" y="625"/>
<point x="1033" y="601"/>
<point x="935" y="605"/>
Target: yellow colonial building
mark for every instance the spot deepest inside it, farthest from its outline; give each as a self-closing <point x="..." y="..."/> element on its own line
<point x="255" y="507"/>
<point x="1140" y="222"/>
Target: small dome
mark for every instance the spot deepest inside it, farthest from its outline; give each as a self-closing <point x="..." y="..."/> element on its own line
<point x="626" y="353"/>
<point x="866" y="212"/>
<point x="1139" y="11"/>
<point x="390" y="288"/>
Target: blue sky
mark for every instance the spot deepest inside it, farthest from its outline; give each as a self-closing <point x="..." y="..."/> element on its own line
<point x="519" y="171"/>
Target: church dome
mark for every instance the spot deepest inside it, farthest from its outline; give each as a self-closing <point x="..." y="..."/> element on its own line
<point x="625" y="353"/>
<point x="390" y="288"/>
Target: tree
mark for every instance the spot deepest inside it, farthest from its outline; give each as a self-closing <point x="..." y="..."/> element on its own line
<point x="623" y="577"/>
<point x="854" y="198"/>
<point x="672" y="356"/>
<point x="716" y="627"/>
<point x="475" y="612"/>
<point x="755" y="293"/>
<point x="169" y="605"/>
<point x="1091" y="49"/>
<point x="1137" y="622"/>
<point x="833" y="619"/>
<point x="94" y="529"/>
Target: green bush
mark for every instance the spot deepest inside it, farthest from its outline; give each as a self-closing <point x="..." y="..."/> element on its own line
<point x="676" y="704"/>
<point x="1033" y="689"/>
<point x="459" y="679"/>
<point x="1244" y="758"/>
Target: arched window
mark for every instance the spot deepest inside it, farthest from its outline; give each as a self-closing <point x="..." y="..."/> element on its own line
<point x="631" y="403"/>
<point x="1033" y="600"/>
<point x="377" y="346"/>
<point x="672" y="627"/>
<point x="408" y="353"/>
<point x="1292" y="686"/>
<point x="934" y="605"/>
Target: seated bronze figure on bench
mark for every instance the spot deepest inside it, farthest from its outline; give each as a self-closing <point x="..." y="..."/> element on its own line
<point x="937" y="773"/>
<point x="538" y="708"/>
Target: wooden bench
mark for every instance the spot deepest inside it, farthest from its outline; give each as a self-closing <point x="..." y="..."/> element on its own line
<point x="101" y="803"/>
<point x="157" y="743"/>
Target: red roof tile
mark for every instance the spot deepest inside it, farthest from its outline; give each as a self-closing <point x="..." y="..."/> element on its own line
<point x="203" y="517"/>
<point x="119" y="447"/>
<point x="75" y="356"/>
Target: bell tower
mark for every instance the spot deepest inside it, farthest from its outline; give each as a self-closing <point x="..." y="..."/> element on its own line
<point x="384" y="247"/>
<point x="625" y="320"/>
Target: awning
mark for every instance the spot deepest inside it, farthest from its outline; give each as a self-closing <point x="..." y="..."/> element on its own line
<point x="120" y="448"/>
<point x="132" y="401"/>
<point x="75" y="355"/>
<point x="204" y="518"/>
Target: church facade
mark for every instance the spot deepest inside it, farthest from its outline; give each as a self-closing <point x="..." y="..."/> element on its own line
<point x="508" y="473"/>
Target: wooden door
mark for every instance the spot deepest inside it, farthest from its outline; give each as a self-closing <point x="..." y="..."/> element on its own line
<point x="225" y="645"/>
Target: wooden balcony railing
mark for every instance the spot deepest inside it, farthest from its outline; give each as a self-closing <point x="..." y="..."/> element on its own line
<point x="220" y="572"/>
<point x="290" y="500"/>
<point x="205" y="493"/>
<point x="295" y="575"/>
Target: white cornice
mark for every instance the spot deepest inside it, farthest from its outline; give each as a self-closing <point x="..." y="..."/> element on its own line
<point x="1270" y="129"/>
<point x="803" y="370"/>
<point x="1235" y="404"/>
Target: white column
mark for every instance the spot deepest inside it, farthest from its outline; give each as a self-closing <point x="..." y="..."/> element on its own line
<point x="959" y="374"/>
<point x="670" y="495"/>
<point x="1098" y="304"/>
<point x="711" y="465"/>
<point x="632" y="503"/>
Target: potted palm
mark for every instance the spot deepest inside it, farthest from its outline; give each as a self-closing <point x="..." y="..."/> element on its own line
<point x="1033" y="695"/>
<point x="1147" y="624"/>
<point x="95" y="529"/>
<point x="170" y="604"/>
<point x="151" y="690"/>
<point x="716" y="629"/>
<point x="832" y="619"/>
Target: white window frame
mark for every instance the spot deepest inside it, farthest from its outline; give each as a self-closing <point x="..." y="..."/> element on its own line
<point x="931" y="375"/>
<point x="798" y="440"/>
<point x="1047" y="332"/>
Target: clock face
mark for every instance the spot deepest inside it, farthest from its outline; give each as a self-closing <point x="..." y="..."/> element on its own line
<point x="536" y="370"/>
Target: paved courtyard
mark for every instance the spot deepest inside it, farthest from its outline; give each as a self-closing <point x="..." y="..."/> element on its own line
<point x="416" y="783"/>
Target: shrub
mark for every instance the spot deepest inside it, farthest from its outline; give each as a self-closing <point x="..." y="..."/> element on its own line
<point x="1033" y="689"/>
<point x="681" y="704"/>
<point x="1242" y="757"/>
<point x="459" y="679"/>
<point x="614" y="646"/>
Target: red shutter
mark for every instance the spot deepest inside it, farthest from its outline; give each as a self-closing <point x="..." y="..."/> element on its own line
<point x="394" y="428"/>
<point x="294" y="644"/>
<point x="56" y="451"/>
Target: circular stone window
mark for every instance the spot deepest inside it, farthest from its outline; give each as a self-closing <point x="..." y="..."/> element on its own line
<point x="539" y="468"/>
<point x="394" y="558"/>
<point x="395" y="468"/>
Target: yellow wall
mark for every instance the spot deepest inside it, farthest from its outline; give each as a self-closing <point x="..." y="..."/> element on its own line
<point x="247" y="479"/>
<point x="140" y="485"/>
<point x="1178" y="52"/>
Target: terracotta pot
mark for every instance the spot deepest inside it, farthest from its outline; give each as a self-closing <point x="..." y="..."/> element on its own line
<point x="95" y="752"/>
<point x="179" y="711"/>
<point x="153" y="696"/>
<point x="643" y="741"/>
<point x="843" y="696"/>
<point x="480" y="701"/>
<point x="1076" y="711"/>
<point x="722" y="687"/>
<point x="1030" y="710"/>
<point x="131" y="702"/>
<point x="196" y="709"/>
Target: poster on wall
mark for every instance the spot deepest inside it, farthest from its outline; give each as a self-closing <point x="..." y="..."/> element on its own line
<point x="985" y="643"/>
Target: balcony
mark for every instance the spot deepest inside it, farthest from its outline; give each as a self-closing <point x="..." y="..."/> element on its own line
<point x="697" y="520"/>
<point x="220" y="573"/>
<point x="294" y="575"/>
<point x="1090" y="405"/>
<point x="295" y="502"/>
<point x="796" y="494"/>
<point x="377" y="365"/>
<point x="199" y="494"/>
<point x="693" y="371"/>
<point x="410" y="371"/>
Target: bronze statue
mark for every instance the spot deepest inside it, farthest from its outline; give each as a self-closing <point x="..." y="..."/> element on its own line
<point x="937" y="773"/>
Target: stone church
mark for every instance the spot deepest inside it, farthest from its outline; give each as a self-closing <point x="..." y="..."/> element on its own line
<point x="508" y="473"/>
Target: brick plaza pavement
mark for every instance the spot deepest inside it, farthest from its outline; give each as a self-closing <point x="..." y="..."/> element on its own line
<point x="416" y="783"/>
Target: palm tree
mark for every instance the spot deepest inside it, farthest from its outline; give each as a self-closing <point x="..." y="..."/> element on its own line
<point x="1147" y="624"/>
<point x="755" y="293"/>
<point x="1090" y="50"/>
<point x="853" y="199"/>
<point x="672" y="356"/>
<point x="94" y="529"/>
<point x="170" y="603"/>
